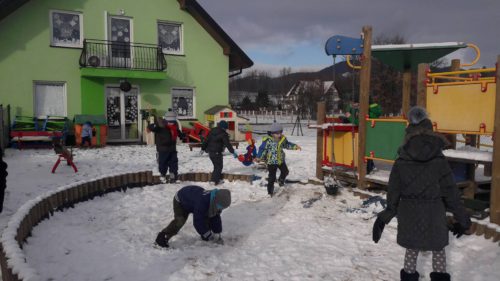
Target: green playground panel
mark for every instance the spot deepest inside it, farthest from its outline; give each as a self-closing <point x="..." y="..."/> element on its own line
<point x="55" y="123"/>
<point x="384" y="139"/>
<point x="23" y="123"/>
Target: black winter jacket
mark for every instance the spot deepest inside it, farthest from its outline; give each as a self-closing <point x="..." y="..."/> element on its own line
<point x="3" y="173"/>
<point x="216" y="141"/>
<point x="421" y="189"/>
<point x="163" y="137"/>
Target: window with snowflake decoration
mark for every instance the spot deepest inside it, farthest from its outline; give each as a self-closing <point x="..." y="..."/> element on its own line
<point x="170" y="38"/>
<point x="183" y="102"/>
<point x="66" y="29"/>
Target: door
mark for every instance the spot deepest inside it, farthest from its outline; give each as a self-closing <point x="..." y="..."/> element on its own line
<point x="122" y="114"/>
<point x="120" y="35"/>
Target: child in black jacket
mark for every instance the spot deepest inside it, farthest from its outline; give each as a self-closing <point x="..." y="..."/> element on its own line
<point x="166" y="133"/>
<point x="3" y="179"/>
<point x="421" y="189"/>
<point x="217" y="140"/>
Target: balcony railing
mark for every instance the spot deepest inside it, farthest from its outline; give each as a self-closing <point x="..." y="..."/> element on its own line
<point x="122" y="55"/>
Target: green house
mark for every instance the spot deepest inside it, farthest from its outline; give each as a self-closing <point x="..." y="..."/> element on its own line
<point x="114" y="58"/>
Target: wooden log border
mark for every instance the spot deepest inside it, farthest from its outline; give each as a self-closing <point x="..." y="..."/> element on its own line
<point x="12" y="260"/>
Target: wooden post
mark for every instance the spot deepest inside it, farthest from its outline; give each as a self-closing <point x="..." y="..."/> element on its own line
<point x="319" y="139"/>
<point x="405" y="106"/>
<point x="364" y="93"/>
<point x="495" y="179"/>
<point x="421" y="85"/>
<point x="452" y="138"/>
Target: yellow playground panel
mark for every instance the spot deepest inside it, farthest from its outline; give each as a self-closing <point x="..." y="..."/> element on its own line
<point x="345" y="143"/>
<point x="465" y="105"/>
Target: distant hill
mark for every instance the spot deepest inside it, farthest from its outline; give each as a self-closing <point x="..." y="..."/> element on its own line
<point x="277" y="85"/>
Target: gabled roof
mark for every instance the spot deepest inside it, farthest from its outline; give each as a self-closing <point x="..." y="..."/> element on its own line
<point x="237" y="58"/>
<point x="214" y="109"/>
<point x="298" y="87"/>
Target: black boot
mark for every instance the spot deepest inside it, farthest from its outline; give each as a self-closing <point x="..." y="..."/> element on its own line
<point x="409" y="276"/>
<point x="162" y="240"/>
<point x="440" y="276"/>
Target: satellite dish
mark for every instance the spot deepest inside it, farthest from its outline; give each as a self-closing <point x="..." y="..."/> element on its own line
<point x="94" y="61"/>
<point x="125" y="86"/>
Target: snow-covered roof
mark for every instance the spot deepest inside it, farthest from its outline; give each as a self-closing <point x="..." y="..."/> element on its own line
<point x="297" y="87"/>
<point x="418" y="46"/>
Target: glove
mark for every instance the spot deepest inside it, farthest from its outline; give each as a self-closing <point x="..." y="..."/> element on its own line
<point x="235" y="154"/>
<point x="378" y="227"/>
<point x="207" y="236"/>
<point x="458" y="230"/>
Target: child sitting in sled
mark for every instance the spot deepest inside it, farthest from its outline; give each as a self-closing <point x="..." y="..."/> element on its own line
<point x="249" y="156"/>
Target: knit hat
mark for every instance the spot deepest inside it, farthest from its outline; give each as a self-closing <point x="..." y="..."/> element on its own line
<point x="170" y="116"/>
<point x="223" y="125"/>
<point x="219" y="199"/>
<point x="276" y="128"/>
<point x="417" y="114"/>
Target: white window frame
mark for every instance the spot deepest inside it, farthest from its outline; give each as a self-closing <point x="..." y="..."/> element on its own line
<point x="64" y="97"/>
<point x="181" y="36"/>
<point x="193" y="116"/>
<point x="52" y="43"/>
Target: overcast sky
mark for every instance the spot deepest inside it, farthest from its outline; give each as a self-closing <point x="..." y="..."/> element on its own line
<point x="279" y="33"/>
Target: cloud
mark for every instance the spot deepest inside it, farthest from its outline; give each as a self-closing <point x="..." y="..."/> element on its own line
<point x="278" y="26"/>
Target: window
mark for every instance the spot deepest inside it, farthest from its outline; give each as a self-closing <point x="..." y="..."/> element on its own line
<point x="183" y="102"/>
<point x="66" y="29"/>
<point x="49" y="99"/>
<point x="170" y="38"/>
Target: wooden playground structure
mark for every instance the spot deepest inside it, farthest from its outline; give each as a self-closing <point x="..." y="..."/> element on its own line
<point x="459" y="102"/>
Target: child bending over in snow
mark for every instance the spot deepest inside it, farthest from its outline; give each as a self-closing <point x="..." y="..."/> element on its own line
<point x="421" y="189"/>
<point x="206" y="207"/>
<point x="271" y="151"/>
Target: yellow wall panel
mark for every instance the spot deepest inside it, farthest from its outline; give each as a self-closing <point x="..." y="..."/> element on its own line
<point x="462" y="108"/>
<point x="343" y="147"/>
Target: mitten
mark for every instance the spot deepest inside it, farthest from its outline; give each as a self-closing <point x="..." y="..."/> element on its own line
<point x="378" y="227"/>
<point x="458" y="230"/>
<point x="235" y="154"/>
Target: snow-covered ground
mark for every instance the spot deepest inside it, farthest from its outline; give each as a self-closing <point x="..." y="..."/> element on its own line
<point x="302" y="234"/>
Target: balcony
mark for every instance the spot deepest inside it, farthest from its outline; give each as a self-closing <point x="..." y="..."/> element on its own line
<point x="122" y="55"/>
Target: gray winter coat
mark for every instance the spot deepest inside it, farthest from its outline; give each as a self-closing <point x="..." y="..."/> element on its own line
<point x="421" y="189"/>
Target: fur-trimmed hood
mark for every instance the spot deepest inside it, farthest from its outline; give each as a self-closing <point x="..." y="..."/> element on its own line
<point x="421" y="143"/>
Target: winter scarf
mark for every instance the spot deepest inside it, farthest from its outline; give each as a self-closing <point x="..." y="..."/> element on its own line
<point x="173" y="131"/>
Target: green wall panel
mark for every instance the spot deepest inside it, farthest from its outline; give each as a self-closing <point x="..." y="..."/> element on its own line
<point x="384" y="139"/>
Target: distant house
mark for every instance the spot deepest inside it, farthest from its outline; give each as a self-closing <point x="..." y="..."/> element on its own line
<point x="292" y="99"/>
<point x="114" y="58"/>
